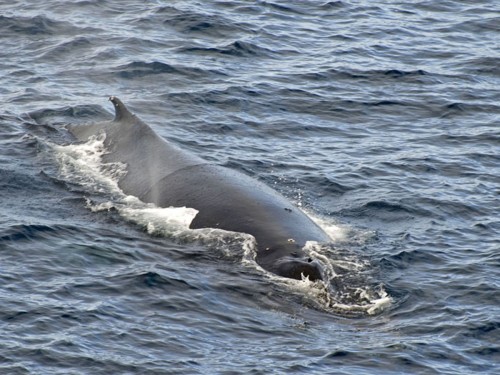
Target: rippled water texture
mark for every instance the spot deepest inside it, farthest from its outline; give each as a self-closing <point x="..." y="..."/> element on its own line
<point x="380" y="119"/>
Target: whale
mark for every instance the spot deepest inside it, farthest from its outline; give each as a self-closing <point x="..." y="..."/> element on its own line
<point x="160" y="172"/>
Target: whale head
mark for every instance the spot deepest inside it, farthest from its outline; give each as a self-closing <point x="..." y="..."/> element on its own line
<point x="288" y="259"/>
<point x="299" y="268"/>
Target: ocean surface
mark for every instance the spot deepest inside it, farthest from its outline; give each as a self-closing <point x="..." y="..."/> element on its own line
<point x="380" y="119"/>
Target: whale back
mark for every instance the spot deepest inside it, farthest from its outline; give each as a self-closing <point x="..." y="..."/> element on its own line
<point x="233" y="201"/>
<point x="148" y="157"/>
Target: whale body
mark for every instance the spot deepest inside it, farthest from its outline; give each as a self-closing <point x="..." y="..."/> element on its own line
<point x="159" y="172"/>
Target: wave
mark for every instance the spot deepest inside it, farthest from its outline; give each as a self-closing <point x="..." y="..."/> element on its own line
<point x="37" y="25"/>
<point x="138" y="69"/>
<point x="198" y="22"/>
<point x="237" y="48"/>
<point x="344" y="73"/>
<point x="35" y="232"/>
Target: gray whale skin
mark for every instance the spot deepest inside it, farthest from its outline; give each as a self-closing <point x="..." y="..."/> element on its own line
<point x="159" y="172"/>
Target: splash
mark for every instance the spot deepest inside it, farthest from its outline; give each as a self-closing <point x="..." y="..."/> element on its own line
<point x="346" y="289"/>
<point x="81" y="164"/>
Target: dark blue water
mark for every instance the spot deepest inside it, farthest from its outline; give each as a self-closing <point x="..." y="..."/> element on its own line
<point x="381" y="119"/>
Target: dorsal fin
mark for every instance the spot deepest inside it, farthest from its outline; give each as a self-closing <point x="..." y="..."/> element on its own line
<point x="121" y="112"/>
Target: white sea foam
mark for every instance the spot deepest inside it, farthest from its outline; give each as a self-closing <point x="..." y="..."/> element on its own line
<point x="82" y="164"/>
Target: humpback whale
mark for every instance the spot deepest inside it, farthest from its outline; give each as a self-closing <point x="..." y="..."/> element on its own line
<point x="160" y="172"/>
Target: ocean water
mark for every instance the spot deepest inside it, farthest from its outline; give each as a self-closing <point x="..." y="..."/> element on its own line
<point x="380" y="119"/>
